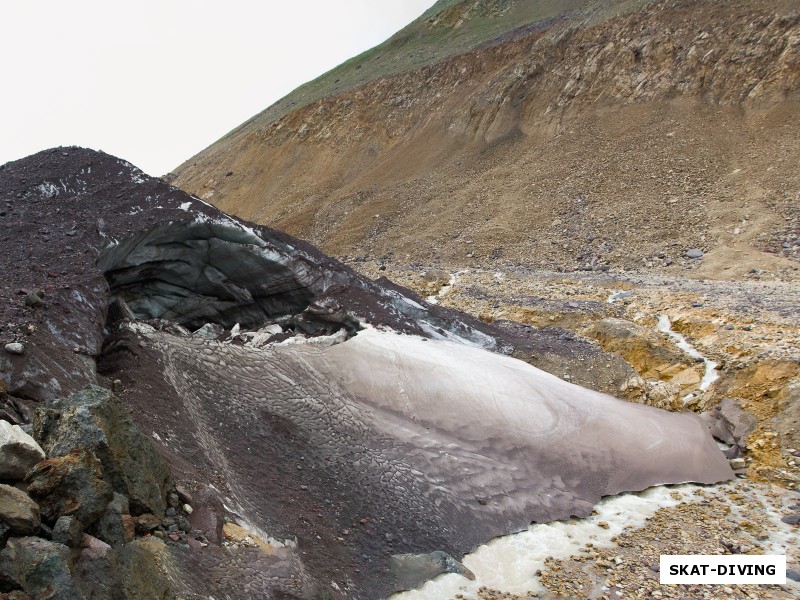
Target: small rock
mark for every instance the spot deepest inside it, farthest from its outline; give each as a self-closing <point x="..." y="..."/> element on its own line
<point x="15" y="348"/>
<point x="210" y="331"/>
<point x="35" y="299"/>
<point x="694" y="253"/>
<point x="793" y="575"/>
<point x="67" y="531"/>
<point x="737" y="463"/>
<point x="18" y="511"/>
<point x="19" y="452"/>
<point x="119" y="504"/>
<point x="792" y="519"/>
<point x="183" y="494"/>
<point x="188" y="509"/>
<point x="171" y="512"/>
<point x="146" y="523"/>
<point x="183" y="524"/>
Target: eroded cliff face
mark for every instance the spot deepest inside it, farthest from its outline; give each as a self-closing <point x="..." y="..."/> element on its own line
<point x="339" y="420"/>
<point x="592" y="139"/>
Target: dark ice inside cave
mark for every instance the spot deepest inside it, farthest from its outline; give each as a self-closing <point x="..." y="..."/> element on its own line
<point x="199" y="272"/>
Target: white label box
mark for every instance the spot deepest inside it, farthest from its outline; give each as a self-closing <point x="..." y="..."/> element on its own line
<point x="714" y="568"/>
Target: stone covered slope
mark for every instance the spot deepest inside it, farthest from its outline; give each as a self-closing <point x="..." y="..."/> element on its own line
<point x="611" y="142"/>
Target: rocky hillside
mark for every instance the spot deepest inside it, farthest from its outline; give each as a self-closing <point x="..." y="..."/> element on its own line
<point x="573" y="135"/>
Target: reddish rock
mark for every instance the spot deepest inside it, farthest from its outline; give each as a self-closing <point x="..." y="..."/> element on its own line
<point x="129" y="526"/>
<point x="146" y="523"/>
<point x="70" y="485"/>
<point x="92" y="548"/>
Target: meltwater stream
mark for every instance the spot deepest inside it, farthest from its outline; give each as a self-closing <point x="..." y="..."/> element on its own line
<point x="711" y="374"/>
<point x="509" y="563"/>
<point x="665" y="325"/>
<point x="445" y="289"/>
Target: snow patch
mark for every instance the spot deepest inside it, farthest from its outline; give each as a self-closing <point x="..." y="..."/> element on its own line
<point x="47" y="189"/>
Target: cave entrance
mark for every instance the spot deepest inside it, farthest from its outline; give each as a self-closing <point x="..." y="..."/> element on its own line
<point x="201" y="272"/>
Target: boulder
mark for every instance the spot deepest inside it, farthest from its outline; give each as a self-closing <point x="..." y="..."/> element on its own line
<point x="412" y="570"/>
<point x="129" y="572"/>
<point x="793" y="519"/>
<point x="67" y="531"/>
<point x="92" y="548"/>
<point x="729" y="422"/>
<point x="18" y="511"/>
<point x="95" y="419"/>
<point x="15" y="348"/>
<point x="35" y="299"/>
<point x="70" y="485"/>
<point x="111" y="527"/>
<point x="40" y="567"/>
<point x="146" y="523"/>
<point x="208" y="516"/>
<point x="18" y="451"/>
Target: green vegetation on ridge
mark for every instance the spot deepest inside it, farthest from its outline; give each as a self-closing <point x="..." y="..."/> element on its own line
<point x="448" y="28"/>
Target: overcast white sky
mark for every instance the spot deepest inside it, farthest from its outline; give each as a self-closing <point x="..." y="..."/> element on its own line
<point x="155" y="82"/>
